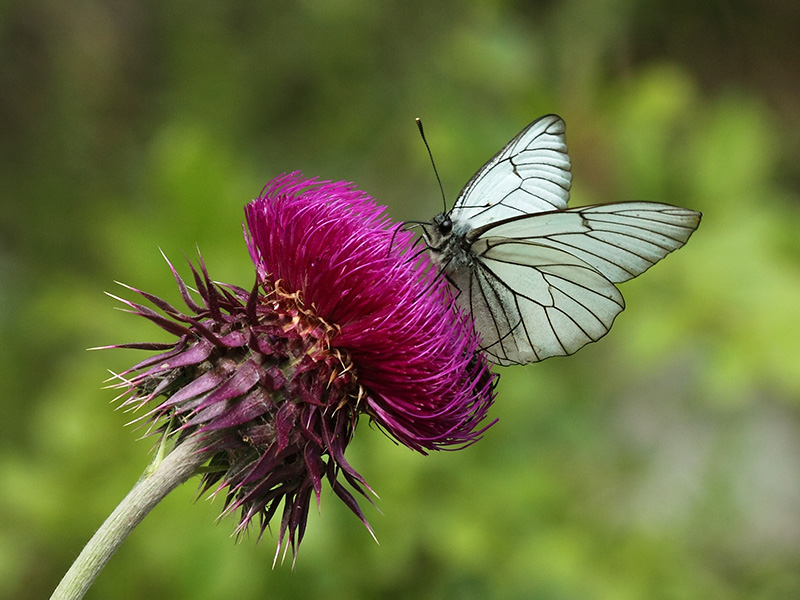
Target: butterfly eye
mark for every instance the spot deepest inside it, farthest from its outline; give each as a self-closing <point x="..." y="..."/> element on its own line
<point x="445" y="226"/>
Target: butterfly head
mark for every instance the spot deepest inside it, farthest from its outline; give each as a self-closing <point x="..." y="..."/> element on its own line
<point x="438" y="232"/>
<point x="443" y="224"/>
<point x="446" y="240"/>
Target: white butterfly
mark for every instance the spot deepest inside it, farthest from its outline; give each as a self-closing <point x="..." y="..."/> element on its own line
<point x="539" y="277"/>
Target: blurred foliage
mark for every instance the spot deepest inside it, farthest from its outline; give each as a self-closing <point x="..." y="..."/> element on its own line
<point x="661" y="462"/>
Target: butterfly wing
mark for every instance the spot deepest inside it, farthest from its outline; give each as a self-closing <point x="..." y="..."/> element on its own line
<point x="532" y="302"/>
<point x="531" y="174"/>
<point x="543" y="285"/>
<point x="619" y="240"/>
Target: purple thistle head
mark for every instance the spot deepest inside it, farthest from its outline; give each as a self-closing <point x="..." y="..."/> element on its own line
<point x="345" y="319"/>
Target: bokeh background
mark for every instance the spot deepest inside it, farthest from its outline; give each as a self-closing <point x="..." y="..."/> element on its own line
<point x="661" y="462"/>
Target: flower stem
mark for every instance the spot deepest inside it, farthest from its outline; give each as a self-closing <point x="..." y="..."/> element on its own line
<point x="176" y="467"/>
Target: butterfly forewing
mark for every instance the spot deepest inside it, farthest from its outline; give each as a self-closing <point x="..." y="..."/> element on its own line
<point x="530" y="174"/>
<point x="620" y="240"/>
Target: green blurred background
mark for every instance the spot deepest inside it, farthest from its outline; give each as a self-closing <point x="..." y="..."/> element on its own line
<point x="661" y="462"/>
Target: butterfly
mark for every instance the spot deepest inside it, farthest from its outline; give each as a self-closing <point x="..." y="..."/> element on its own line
<point x="539" y="277"/>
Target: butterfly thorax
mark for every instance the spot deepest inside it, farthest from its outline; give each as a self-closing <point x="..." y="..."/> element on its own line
<point x="448" y="242"/>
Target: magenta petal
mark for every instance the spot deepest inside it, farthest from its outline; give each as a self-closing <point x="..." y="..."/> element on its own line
<point x="415" y="358"/>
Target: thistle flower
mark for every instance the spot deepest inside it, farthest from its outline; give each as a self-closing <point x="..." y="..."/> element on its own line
<point x="345" y="319"/>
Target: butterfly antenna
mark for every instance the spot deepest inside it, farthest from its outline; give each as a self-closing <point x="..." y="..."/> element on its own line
<point x="433" y="163"/>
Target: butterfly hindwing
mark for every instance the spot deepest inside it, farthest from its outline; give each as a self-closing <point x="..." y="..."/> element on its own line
<point x="532" y="302"/>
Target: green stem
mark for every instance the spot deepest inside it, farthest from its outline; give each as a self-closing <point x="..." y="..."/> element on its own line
<point x="179" y="465"/>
